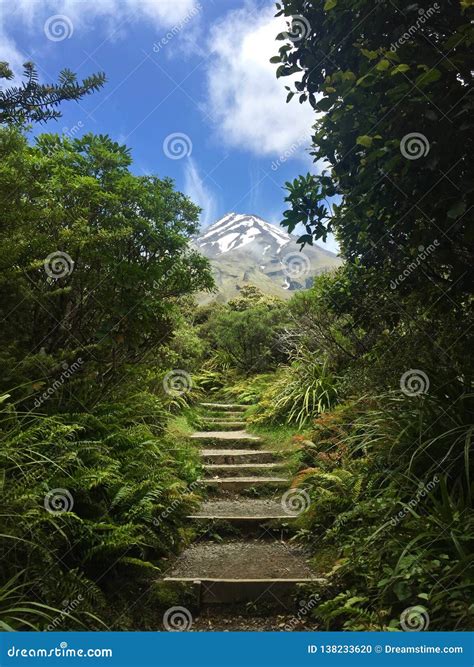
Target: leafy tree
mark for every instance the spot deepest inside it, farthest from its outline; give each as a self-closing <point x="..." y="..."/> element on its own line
<point x="388" y="82"/>
<point x="37" y="102"/>
<point x="248" y="330"/>
<point x="93" y="257"/>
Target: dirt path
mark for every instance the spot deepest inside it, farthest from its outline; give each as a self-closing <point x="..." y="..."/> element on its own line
<point x="245" y="575"/>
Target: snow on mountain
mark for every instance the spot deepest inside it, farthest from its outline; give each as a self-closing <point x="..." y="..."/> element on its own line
<point x="245" y="249"/>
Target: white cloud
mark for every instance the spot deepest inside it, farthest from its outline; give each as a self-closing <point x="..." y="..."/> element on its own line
<point x="84" y="14"/>
<point x="199" y="193"/>
<point x="244" y="97"/>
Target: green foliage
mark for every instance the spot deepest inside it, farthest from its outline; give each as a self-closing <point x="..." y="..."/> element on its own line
<point x="124" y="259"/>
<point x="246" y="331"/>
<point x="400" y="521"/>
<point x="378" y="88"/>
<point x="38" y="102"/>
<point x="298" y="393"/>
<point x="123" y="493"/>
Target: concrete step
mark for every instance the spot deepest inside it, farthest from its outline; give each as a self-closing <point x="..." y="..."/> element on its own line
<point x="237" y="571"/>
<point x="242" y="469"/>
<point x="222" y="425"/>
<point x="231" y="456"/>
<point x="241" y="483"/>
<point x="221" y="414"/>
<point x="229" y="438"/>
<point x="248" y="515"/>
<point x="236" y="407"/>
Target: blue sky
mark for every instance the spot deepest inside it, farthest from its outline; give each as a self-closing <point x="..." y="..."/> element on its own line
<point x="190" y="91"/>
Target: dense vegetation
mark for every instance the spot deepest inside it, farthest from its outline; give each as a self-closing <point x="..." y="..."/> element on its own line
<point x="373" y="364"/>
<point x="370" y="367"/>
<point x="95" y="273"/>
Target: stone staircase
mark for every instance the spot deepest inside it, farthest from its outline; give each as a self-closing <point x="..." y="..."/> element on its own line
<point x="244" y="481"/>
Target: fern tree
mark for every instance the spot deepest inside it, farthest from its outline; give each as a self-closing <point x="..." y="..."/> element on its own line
<point x="32" y="101"/>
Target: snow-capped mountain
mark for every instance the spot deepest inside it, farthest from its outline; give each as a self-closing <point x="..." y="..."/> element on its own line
<point x="245" y="249"/>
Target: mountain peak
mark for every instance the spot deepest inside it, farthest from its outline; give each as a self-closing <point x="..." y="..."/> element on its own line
<point x="243" y="248"/>
<point x="235" y="230"/>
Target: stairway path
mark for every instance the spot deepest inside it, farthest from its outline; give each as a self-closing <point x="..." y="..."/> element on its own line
<point x="250" y="562"/>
